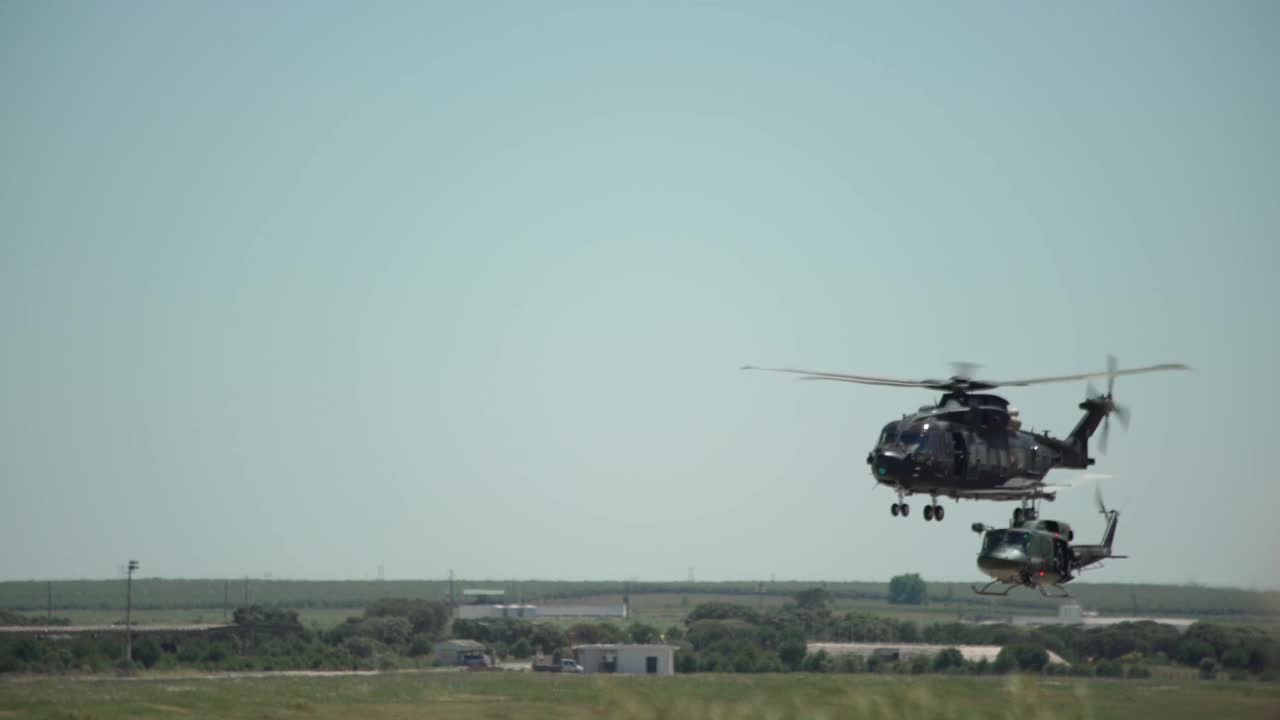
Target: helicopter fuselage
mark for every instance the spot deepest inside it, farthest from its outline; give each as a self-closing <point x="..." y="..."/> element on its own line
<point x="1026" y="554"/>
<point x="1038" y="554"/>
<point x="972" y="446"/>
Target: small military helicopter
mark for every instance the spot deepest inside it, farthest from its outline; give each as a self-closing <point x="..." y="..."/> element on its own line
<point x="1036" y="554"/>
<point x="971" y="445"/>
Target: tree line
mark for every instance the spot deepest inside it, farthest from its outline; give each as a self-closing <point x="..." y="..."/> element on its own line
<point x="715" y="637"/>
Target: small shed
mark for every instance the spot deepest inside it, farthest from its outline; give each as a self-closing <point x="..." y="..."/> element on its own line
<point x="461" y="652"/>
<point x="648" y="659"/>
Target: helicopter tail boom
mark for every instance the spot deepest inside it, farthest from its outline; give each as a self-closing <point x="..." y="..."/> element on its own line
<point x="1077" y="455"/>
<point x="1090" y="554"/>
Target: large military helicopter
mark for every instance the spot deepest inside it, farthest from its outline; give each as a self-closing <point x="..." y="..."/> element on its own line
<point x="1036" y="554"/>
<point x="971" y="445"/>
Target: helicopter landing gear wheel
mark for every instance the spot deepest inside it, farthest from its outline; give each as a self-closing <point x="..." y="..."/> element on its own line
<point x="895" y="509"/>
<point x="906" y="509"/>
<point x="928" y="513"/>
<point x="937" y="513"/>
<point x="1031" y="514"/>
<point x="1017" y="516"/>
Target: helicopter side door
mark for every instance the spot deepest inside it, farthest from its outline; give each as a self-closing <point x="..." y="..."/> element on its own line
<point x="959" y="456"/>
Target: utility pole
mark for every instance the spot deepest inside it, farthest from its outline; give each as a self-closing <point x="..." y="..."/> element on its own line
<point x="128" y="612"/>
<point x="226" y="597"/>
<point x="49" y="589"/>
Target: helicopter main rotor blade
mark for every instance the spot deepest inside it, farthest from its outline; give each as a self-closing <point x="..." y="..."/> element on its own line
<point x="842" y="377"/>
<point x="966" y="384"/>
<point x="1086" y="376"/>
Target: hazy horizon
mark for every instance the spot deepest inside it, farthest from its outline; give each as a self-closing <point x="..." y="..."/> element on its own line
<point x="305" y="288"/>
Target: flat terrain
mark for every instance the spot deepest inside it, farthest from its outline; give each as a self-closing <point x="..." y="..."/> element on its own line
<point x="322" y="617"/>
<point x="187" y="599"/>
<point x="461" y="696"/>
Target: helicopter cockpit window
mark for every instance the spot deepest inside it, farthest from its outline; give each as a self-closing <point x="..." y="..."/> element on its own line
<point x="915" y="436"/>
<point x="889" y="434"/>
<point x="1017" y="539"/>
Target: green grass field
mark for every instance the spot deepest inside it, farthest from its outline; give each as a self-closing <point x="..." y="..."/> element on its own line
<point x="493" y="696"/>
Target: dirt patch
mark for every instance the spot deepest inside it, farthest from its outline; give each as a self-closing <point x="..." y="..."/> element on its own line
<point x="169" y="708"/>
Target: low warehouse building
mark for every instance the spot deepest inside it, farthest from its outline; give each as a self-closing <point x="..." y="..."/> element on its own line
<point x="451" y="653"/>
<point x="652" y="659"/>
<point x="895" y="652"/>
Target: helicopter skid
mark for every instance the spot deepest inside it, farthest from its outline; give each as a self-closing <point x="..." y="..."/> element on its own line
<point x="985" y="588"/>
<point x="1059" y="588"/>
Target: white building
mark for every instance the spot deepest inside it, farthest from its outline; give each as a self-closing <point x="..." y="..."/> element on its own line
<point x="584" y="611"/>
<point x="1072" y="614"/>
<point x="895" y="652"/>
<point x="461" y="652"/>
<point x="517" y="611"/>
<point x="627" y="659"/>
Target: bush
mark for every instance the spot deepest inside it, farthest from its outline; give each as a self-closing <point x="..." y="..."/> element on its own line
<point x="521" y="650"/>
<point x="360" y="647"/>
<point x="146" y="652"/>
<point x="919" y="664"/>
<point x="851" y="663"/>
<point x="1236" y="658"/>
<point x="908" y="590"/>
<point x="1109" y="668"/>
<point x="1139" y="672"/>
<point x="686" y="662"/>
<point x="1208" y="668"/>
<point x="1027" y="658"/>
<point x="769" y="663"/>
<point x="1004" y="663"/>
<point x="819" y="662"/>
<point x="422" y="645"/>
<point x="948" y="658"/>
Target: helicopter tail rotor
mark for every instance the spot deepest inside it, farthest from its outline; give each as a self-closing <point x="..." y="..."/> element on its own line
<point x="1109" y="404"/>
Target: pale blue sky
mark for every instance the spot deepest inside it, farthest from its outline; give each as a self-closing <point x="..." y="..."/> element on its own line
<point x="306" y="287"/>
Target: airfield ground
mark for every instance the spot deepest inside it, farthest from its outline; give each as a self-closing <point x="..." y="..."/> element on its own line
<point x="463" y="696"/>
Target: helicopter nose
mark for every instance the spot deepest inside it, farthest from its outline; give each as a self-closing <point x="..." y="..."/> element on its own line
<point x="1002" y="565"/>
<point x="889" y="464"/>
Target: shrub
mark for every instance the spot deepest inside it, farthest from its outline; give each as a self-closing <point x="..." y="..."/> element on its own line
<point x="948" y="658"/>
<point x="1027" y="658"/>
<point x="521" y="650"/>
<point x="1109" y="668"/>
<point x="769" y="663"/>
<point x="908" y="590"/>
<point x="1208" y="668"/>
<point x="146" y="652"/>
<point x="421" y="645"/>
<point x="852" y="663"/>
<point x="1139" y="672"/>
<point x="819" y="662"/>
<point x="1236" y="658"/>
